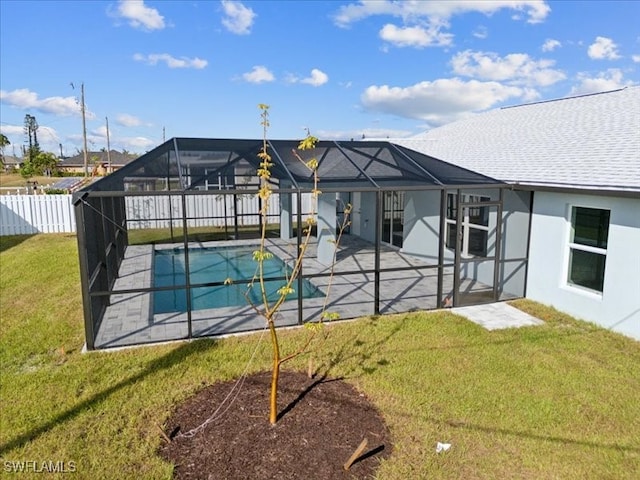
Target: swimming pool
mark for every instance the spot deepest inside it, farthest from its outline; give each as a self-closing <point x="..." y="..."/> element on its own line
<point x="216" y="264"/>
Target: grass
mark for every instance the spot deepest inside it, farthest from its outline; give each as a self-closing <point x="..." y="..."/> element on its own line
<point x="17" y="180"/>
<point x="553" y="401"/>
<point x="196" y="234"/>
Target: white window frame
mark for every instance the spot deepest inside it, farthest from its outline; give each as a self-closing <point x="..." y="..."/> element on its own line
<point x="466" y="223"/>
<point x="584" y="248"/>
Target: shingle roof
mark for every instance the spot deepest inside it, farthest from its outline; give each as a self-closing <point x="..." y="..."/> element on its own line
<point x="590" y="141"/>
<point x="117" y="158"/>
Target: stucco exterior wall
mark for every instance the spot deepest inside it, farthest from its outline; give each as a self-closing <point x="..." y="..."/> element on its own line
<point x="422" y="225"/>
<point x="363" y="216"/>
<point x="421" y="230"/>
<point x="515" y="238"/>
<point x="618" y="306"/>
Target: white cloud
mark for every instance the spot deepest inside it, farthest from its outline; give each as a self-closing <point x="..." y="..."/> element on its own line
<point x="518" y="68"/>
<point x="25" y="99"/>
<point x="440" y="101"/>
<point x="481" y="32"/>
<point x="535" y="10"/>
<point x="635" y="58"/>
<point x="259" y="74"/>
<point x="47" y="138"/>
<point x="136" y="143"/>
<point x="100" y="132"/>
<point x="415" y="36"/>
<point x="126" y="120"/>
<point x="140" y="16"/>
<point x="425" y="22"/>
<point x="603" y="49"/>
<point x="317" y="78"/>
<point x="239" y="19"/>
<point x="611" y="79"/>
<point x="170" y="61"/>
<point x="550" y="45"/>
<point x="12" y="130"/>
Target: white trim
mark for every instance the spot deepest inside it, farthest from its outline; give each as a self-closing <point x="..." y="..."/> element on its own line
<point x="466" y="225"/>
<point x="565" y="282"/>
<point x="588" y="248"/>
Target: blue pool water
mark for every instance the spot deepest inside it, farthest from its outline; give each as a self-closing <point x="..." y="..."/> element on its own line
<point x="207" y="265"/>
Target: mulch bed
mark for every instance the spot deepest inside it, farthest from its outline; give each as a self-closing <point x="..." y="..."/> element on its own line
<point x="321" y="423"/>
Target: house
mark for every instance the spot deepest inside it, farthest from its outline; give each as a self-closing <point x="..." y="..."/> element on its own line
<point x="579" y="160"/>
<point x="11" y="163"/>
<point x="539" y="201"/>
<point x="97" y="162"/>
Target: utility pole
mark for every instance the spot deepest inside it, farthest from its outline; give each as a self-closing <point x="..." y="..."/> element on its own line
<point x="108" y="148"/>
<point x="163" y="135"/>
<point x="84" y="131"/>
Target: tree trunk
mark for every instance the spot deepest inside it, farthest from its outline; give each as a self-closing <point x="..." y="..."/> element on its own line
<point x="275" y="374"/>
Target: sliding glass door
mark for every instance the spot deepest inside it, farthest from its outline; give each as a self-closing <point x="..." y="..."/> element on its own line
<point x="392" y="218"/>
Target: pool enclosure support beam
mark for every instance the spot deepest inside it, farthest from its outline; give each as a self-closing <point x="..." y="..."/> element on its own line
<point x="441" y="244"/>
<point x="362" y="172"/>
<point x="276" y="155"/>
<point x="235" y="216"/>
<point x="169" y="189"/>
<point x="187" y="276"/>
<point x="457" y="257"/>
<point x="299" y="245"/>
<point x="496" y="264"/>
<point x="90" y="334"/>
<point x="378" y="236"/>
<point x="416" y="164"/>
<point x="528" y="250"/>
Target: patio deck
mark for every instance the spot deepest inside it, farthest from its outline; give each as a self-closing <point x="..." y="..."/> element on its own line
<point x="129" y="319"/>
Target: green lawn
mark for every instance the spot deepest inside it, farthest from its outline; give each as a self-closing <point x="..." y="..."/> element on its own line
<point x="16" y="180"/>
<point x="555" y="401"/>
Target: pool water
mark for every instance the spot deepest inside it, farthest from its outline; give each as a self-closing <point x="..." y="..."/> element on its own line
<point x="207" y="265"/>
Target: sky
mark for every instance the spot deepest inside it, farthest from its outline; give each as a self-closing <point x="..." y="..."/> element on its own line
<point x="153" y="70"/>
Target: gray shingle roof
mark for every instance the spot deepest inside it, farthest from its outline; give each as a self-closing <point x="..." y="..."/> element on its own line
<point x="118" y="159"/>
<point x="591" y="141"/>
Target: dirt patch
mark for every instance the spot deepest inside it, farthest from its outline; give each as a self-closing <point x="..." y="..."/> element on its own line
<point x="322" y="422"/>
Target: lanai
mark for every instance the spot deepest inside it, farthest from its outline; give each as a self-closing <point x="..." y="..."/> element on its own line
<point x="412" y="242"/>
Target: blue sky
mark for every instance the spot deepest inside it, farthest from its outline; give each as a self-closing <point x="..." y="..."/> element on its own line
<point x="342" y="69"/>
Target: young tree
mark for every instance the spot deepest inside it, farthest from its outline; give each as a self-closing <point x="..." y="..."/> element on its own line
<point x="269" y="308"/>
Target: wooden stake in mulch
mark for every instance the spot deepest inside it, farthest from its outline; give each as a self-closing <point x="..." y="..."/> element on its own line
<point x="310" y="372"/>
<point x="354" y="456"/>
<point x="164" y="435"/>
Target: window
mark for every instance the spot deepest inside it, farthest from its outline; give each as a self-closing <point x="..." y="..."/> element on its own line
<point x="588" y="247"/>
<point x="475" y="225"/>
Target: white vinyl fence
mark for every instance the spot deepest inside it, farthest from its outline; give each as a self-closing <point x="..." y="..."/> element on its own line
<point x="203" y="210"/>
<point x="28" y="214"/>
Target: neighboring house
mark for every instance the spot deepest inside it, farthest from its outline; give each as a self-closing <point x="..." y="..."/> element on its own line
<point x="11" y="163"/>
<point x="97" y="162"/>
<point x="579" y="161"/>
